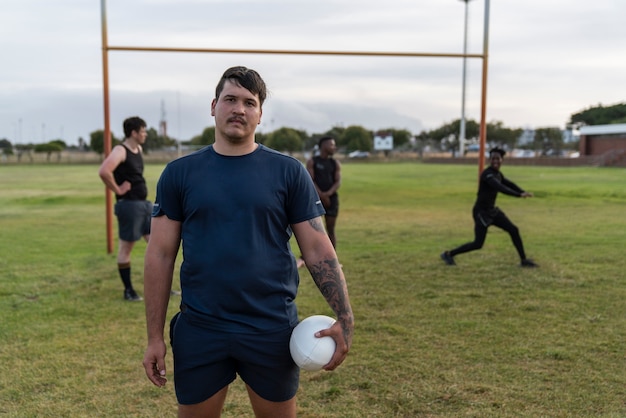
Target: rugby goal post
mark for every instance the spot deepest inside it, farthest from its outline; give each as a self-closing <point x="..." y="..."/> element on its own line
<point x="105" y="83"/>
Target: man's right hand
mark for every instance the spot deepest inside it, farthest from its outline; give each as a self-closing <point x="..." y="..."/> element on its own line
<point x="124" y="188"/>
<point x="325" y="201"/>
<point x="154" y="363"/>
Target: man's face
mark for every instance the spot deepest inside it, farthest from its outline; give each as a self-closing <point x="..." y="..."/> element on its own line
<point x="329" y="146"/>
<point x="496" y="160"/>
<point x="237" y="113"/>
<point x="140" y="135"/>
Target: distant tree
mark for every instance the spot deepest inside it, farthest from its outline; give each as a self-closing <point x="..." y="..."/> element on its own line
<point x="206" y="138"/>
<point x="448" y="134"/>
<point x="423" y="140"/>
<point x="49" y="148"/>
<point x="498" y="134"/>
<point x="310" y="142"/>
<point x="97" y="141"/>
<point x="24" y="149"/>
<point x="400" y="136"/>
<point x="357" y="138"/>
<point x="261" y="138"/>
<point x="600" y="115"/>
<point x="336" y="132"/>
<point x="154" y="141"/>
<point x="285" y="139"/>
<point x="548" y="141"/>
<point x="302" y="134"/>
<point x="6" y="147"/>
<point x="60" y="143"/>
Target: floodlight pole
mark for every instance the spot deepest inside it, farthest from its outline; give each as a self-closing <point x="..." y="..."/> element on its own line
<point x="462" y="123"/>
<point x="483" y="95"/>
<point x="107" y="124"/>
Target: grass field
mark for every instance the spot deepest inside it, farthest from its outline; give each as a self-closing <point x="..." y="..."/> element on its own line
<point x="482" y="339"/>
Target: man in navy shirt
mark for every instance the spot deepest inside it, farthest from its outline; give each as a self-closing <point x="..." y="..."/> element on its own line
<point x="234" y="206"/>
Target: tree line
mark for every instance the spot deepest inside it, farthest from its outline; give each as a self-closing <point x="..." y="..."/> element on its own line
<point x="353" y="138"/>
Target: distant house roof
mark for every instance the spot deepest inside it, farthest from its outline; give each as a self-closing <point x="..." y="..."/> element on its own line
<point x="617" y="128"/>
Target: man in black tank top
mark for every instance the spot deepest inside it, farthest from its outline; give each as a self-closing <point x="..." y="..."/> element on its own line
<point x="326" y="174"/>
<point x="122" y="173"/>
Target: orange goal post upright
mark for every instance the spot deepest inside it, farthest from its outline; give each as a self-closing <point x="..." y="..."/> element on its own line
<point x="105" y="83"/>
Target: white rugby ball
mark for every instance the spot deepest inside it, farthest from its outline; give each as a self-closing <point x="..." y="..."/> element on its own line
<point x="309" y="352"/>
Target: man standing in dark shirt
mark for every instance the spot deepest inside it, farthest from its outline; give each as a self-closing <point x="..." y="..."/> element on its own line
<point x="486" y="213"/>
<point x="122" y="173"/>
<point x="326" y="174"/>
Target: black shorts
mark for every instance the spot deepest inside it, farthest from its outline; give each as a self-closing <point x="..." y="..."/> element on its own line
<point x="206" y="361"/>
<point x="133" y="219"/>
<point x="333" y="209"/>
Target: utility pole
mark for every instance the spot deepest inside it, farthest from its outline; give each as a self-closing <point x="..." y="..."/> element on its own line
<point x="462" y="127"/>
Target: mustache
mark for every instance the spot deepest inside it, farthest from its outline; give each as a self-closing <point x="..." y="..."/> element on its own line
<point x="237" y="119"/>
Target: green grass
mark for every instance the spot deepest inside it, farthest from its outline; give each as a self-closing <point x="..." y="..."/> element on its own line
<point x="482" y="339"/>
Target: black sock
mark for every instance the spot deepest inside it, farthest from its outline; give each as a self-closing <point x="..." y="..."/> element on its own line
<point x="124" y="270"/>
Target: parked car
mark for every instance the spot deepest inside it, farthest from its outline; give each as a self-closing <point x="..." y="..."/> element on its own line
<point x="359" y="154"/>
<point x="523" y="153"/>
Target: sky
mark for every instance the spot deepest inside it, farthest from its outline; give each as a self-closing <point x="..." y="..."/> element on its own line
<point x="546" y="61"/>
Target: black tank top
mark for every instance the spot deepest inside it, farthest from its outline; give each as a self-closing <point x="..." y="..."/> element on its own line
<point x="131" y="170"/>
<point x="324" y="171"/>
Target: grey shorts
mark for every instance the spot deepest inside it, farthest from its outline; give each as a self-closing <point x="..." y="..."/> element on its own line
<point x="133" y="219"/>
<point x="206" y="361"/>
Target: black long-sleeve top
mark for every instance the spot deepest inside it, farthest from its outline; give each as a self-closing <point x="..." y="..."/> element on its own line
<point x="491" y="182"/>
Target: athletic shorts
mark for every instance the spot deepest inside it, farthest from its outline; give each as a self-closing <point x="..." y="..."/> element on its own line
<point x="133" y="219"/>
<point x="206" y="361"/>
<point x="333" y="209"/>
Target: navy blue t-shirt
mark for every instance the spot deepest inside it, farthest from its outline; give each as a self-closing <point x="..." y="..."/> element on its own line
<point x="238" y="272"/>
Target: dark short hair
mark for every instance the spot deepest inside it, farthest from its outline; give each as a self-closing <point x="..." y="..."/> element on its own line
<point x="243" y="77"/>
<point x="498" y="150"/>
<point x="134" y="123"/>
<point x="323" y="139"/>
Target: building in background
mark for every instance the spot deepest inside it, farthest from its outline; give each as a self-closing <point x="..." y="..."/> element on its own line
<point x="603" y="139"/>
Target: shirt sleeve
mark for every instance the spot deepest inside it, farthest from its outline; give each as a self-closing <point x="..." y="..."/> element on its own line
<point x="303" y="203"/>
<point x="505" y="186"/>
<point x="167" y="201"/>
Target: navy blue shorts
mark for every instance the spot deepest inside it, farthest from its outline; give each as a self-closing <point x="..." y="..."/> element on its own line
<point x="205" y="361"/>
<point x="133" y="219"/>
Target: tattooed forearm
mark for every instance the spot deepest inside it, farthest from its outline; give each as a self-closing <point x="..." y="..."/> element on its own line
<point x="327" y="276"/>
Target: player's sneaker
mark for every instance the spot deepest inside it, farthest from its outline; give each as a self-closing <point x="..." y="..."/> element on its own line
<point x="527" y="262"/>
<point x="447" y="258"/>
<point x="132" y="296"/>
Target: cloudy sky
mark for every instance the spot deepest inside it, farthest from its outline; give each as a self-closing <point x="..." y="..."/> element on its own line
<point x="547" y="60"/>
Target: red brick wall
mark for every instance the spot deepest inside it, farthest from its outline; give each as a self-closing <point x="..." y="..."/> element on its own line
<point x="601" y="144"/>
